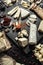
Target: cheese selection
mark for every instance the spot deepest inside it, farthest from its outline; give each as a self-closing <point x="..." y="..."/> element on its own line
<point x="15" y="12"/>
<point x="22" y="38"/>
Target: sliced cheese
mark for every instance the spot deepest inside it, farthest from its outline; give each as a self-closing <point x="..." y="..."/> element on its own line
<point x="17" y="14"/>
<point x="24" y="13"/>
<point x="11" y="12"/>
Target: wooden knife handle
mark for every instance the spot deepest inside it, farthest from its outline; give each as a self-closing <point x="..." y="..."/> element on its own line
<point x="37" y="9"/>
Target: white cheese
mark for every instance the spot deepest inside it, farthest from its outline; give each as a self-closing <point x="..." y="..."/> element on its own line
<point x="33" y="16"/>
<point x="23" y="42"/>
<point x="24" y="13"/>
<point x="32" y="20"/>
<point x="33" y="34"/>
<point x="24" y="32"/>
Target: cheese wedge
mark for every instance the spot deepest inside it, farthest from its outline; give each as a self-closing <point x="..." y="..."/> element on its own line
<point x="17" y="14"/>
<point x="6" y="60"/>
<point x="2" y="45"/>
<point x="41" y="27"/>
<point x="11" y="12"/>
<point x="24" y="13"/>
<point x="33" y="35"/>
